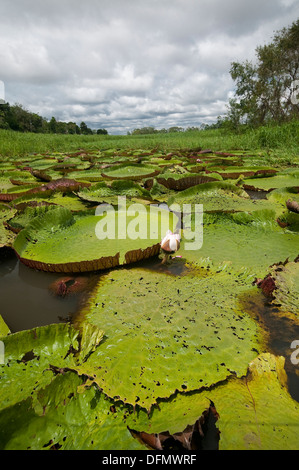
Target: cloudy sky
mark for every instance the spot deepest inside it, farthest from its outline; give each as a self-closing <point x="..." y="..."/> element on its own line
<point x="126" y="64"/>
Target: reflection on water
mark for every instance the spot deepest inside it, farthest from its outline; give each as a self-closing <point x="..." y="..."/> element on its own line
<point x="280" y="330"/>
<point x="25" y="299"/>
<point x="256" y="195"/>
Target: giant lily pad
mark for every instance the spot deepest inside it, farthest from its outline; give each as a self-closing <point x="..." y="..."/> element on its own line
<point x="183" y="181"/>
<point x="23" y="218"/>
<point x="282" y="195"/>
<point x="131" y="171"/>
<point x="102" y="192"/>
<point x="165" y="333"/>
<point x="60" y="241"/>
<point x="14" y="192"/>
<point x="255" y="412"/>
<point x="218" y="196"/>
<point x="284" y="293"/>
<point x="235" y="172"/>
<point x="69" y="201"/>
<point x="250" y="240"/>
<point x="58" y="409"/>
<point x="6" y="236"/>
<point x="280" y="180"/>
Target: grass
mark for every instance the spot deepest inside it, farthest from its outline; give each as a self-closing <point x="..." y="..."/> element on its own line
<point x="276" y="142"/>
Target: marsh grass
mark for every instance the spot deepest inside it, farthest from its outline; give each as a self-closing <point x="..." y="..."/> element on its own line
<point x="278" y="142"/>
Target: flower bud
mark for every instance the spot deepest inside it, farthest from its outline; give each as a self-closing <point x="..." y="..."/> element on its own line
<point x="171" y="242"/>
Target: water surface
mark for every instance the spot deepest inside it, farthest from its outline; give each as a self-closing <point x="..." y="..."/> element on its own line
<point x="25" y="298"/>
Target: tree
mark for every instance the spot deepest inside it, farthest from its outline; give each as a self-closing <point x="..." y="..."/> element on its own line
<point x="264" y="90"/>
<point x="175" y="129"/>
<point x="52" y="125"/>
<point x="144" y="131"/>
<point x="84" y="129"/>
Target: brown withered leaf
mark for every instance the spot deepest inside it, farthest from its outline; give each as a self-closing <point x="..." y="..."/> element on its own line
<point x="202" y="435"/>
<point x="40" y="175"/>
<point x="61" y="184"/>
<point x="185" y="182"/>
<point x="267" y="285"/>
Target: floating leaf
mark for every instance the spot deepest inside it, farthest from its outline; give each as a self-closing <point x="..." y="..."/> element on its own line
<point x="285" y="280"/>
<point x="102" y="192"/>
<point x="60" y="241"/>
<point x="165" y="333"/>
<point x="249" y="240"/>
<point x="183" y="181"/>
<point x="6" y="236"/>
<point x="193" y="437"/>
<point x="130" y="172"/>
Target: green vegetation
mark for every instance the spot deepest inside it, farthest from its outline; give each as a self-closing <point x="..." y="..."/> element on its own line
<point x="159" y="349"/>
<point x="153" y="347"/>
<point x="270" y="140"/>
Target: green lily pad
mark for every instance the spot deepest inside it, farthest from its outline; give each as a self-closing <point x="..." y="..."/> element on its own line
<point x="4" y="329"/>
<point x="282" y="195"/>
<point x="165" y="333"/>
<point x="92" y="175"/>
<point x="17" y="191"/>
<point x="102" y="192"/>
<point x="250" y="240"/>
<point x="234" y="172"/>
<point x="19" y="177"/>
<point x="23" y="218"/>
<point x="130" y="172"/>
<point x="281" y="180"/>
<point x="69" y="201"/>
<point x="58" y="409"/>
<point x="218" y="196"/>
<point x="6" y="236"/>
<point x="255" y="412"/>
<point x="285" y="277"/>
<point x="183" y="181"/>
<point x="28" y="356"/>
<point x="62" y="241"/>
<point x="61" y="416"/>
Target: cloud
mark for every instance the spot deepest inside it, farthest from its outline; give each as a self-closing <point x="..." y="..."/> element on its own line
<point x="122" y="65"/>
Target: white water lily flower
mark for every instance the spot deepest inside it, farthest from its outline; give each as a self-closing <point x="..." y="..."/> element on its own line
<point x="171" y="242"/>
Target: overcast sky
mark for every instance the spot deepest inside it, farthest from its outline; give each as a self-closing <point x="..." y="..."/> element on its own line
<point x="126" y="64"/>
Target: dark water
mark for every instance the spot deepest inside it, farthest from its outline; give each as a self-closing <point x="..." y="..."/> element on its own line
<point x="256" y="195"/>
<point x="280" y="332"/>
<point x="25" y="298"/>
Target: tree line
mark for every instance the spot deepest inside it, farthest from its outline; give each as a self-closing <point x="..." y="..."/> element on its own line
<point x="17" y="118"/>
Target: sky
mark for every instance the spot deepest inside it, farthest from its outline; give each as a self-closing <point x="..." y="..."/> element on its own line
<point x="127" y="64"/>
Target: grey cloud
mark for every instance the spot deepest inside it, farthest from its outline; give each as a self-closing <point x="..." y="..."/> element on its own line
<point x="120" y="64"/>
